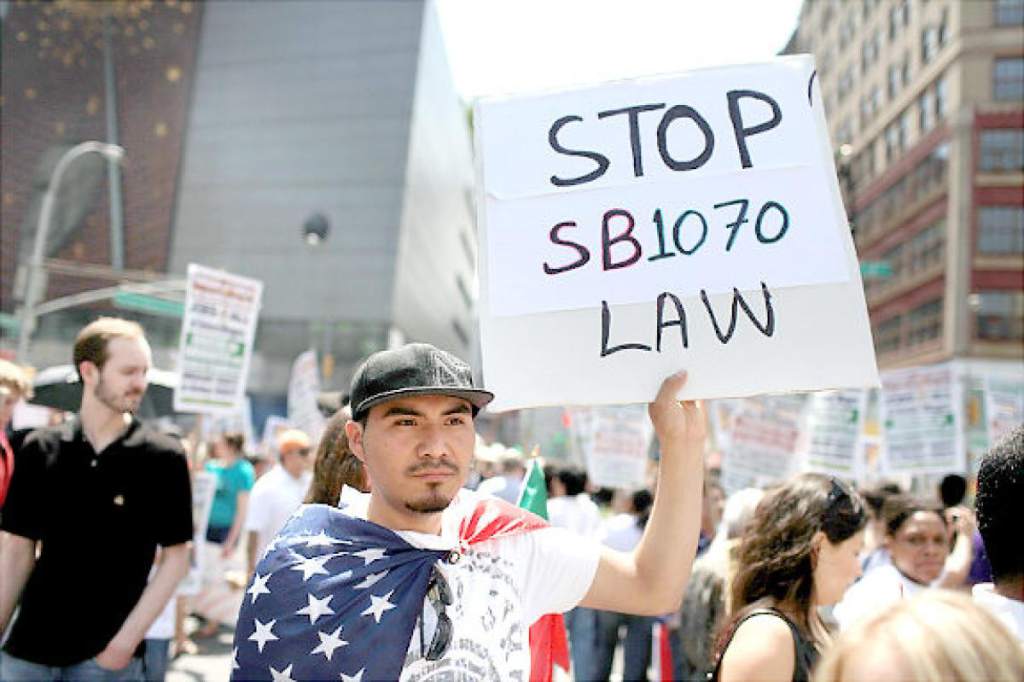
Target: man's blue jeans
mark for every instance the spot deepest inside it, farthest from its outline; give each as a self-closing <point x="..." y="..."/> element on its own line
<point x="18" y="670"/>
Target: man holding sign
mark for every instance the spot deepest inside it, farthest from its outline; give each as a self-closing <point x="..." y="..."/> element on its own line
<point x="423" y="578"/>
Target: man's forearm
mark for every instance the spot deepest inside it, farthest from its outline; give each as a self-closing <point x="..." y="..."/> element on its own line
<point x="17" y="559"/>
<point x="172" y="569"/>
<point x="665" y="555"/>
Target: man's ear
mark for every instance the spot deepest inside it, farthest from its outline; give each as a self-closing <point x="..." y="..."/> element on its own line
<point x="354" y="433"/>
<point x="88" y="371"/>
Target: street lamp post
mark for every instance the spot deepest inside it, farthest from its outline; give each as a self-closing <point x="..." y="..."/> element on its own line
<point x="111" y="152"/>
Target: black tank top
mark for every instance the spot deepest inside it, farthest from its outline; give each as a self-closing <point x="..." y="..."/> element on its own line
<point x="805" y="655"/>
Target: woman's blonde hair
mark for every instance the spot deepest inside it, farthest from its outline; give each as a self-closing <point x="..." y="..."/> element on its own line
<point x="937" y="635"/>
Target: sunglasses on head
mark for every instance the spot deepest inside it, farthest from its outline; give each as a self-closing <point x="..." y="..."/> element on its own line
<point x="439" y="594"/>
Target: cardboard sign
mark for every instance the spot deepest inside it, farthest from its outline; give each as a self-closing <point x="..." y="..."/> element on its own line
<point x="614" y="442"/>
<point x="763" y="441"/>
<point x="204" y="485"/>
<point x="303" y="389"/>
<point x="833" y="442"/>
<point x="922" y="415"/>
<point x="1004" y="406"/>
<point x="635" y="228"/>
<point x="221" y="311"/>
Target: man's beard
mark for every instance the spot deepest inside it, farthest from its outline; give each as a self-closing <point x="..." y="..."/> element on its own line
<point x="435" y="501"/>
<point x="113" y="402"/>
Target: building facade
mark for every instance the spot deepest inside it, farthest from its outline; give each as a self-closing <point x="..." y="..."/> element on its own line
<point x="319" y="147"/>
<point x="925" y="104"/>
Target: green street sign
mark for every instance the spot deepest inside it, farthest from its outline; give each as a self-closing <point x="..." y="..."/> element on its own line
<point x="10" y="323"/>
<point x="149" y="304"/>
<point x="875" y="269"/>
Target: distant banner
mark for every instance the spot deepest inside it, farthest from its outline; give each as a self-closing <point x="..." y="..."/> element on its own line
<point x="204" y="485"/>
<point x="834" y="442"/>
<point x="763" y="441"/>
<point x="614" y="440"/>
<point x="303" y="389"/>
<point x="1004" y="406"/>
<point x="921" y="411"/>
<point x="217" y="333"/>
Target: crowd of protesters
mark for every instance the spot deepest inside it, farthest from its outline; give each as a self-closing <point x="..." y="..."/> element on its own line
<point x="811" y="578"/>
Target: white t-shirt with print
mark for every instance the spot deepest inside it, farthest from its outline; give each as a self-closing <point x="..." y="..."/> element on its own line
<point x="499" y="588"/>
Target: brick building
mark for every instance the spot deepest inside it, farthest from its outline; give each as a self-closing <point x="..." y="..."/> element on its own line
<point x="925" y="103"/>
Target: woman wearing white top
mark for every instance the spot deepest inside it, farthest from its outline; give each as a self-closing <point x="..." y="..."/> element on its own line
<point x="917" y="539"/>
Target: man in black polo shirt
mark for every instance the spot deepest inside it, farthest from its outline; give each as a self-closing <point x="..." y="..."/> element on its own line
<point x="99" y="494"/>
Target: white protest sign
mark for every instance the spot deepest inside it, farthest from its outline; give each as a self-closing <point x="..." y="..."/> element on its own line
<point x="921" y="411"/>
<point x="273" y="428"/>
<point x="634" y="228"/>
<point x="303" y="389"/>
<point x="763" y="441"/>
<point x="834" y="443"/>
<point x="217" y="333"/>
<point x="1004" y="406"/>
<point x="615" y="443"/>
<point x="204" y="485"/>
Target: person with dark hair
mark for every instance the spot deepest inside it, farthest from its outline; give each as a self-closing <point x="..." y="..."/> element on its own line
<point x="917" y="538"/>
<point x="952" y="490"/>
<point x="800" y="552"/>
<point x="875" y="553"/>
<point x="423" y="579"/>
<point x="1000" y="505"/>
<point x="235" y="478"/>
<point x="571" y="508"/>
<point x="335" y="467"/>
<point x="622" y="532"/>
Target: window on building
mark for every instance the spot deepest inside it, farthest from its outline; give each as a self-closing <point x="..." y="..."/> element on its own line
<point x="1008" y="79"/>
<point x="999" y="315"/>
<point x="924" y="322"/>
<point x="894" y="257"/>
<point x="940" y="98"/>
<point x="929" y="44"/>
<point x="926" y="111"/>
<point x="895" y="80"/>
<point x="887" y="335"/>
<point x="1002" y="150"/>
<point x="1001" y="230"/>
<point x="1009" y="12"/>
<point x="942" y="36"/>
<point x="927" y="247"/>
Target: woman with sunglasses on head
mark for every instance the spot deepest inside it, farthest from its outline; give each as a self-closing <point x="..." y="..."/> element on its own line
<point x="917" y="537"/>
<point x="800" y="552"/>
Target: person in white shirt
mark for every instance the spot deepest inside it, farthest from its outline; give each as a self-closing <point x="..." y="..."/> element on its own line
<point x="1000" y="506"/>
<point x="917" y="536"/>
<point x="570" y="507"/>
<point x="507" y="484"/>
<point x="278" y="493"/>
<point x="413" y="428"/>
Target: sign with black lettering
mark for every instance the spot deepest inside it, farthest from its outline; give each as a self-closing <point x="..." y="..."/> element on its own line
<point x="691" y="221"/>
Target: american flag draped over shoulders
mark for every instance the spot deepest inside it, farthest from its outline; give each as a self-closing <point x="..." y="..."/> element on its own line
<point x="337" y="597"/>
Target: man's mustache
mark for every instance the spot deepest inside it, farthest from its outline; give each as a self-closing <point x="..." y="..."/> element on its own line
<point x="432" y="466"/>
